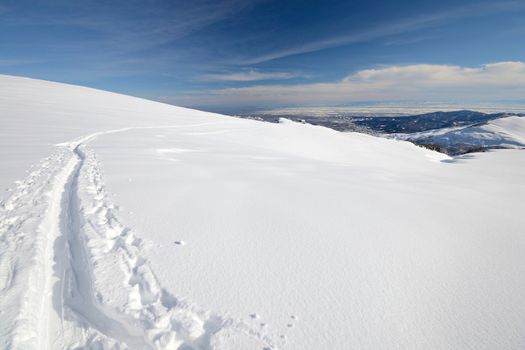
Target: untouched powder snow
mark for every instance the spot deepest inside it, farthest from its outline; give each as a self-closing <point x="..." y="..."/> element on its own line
<point x="141" y="225"/>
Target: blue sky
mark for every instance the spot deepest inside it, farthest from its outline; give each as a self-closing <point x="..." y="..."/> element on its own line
<point x="236" y="55"/>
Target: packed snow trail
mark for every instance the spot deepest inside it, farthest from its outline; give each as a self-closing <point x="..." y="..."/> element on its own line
<point x="89" y="284"/>
<point x="76" y="286"/>
<point x="26" y="252"/>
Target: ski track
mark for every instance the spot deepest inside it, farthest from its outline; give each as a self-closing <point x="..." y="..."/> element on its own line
<point x="72" y="276"/>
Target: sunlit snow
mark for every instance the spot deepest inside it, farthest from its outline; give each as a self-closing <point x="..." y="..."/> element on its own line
<point x="127" y="223"/>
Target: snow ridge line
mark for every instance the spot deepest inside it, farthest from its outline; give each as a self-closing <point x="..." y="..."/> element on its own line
<point x="78" y="220"/>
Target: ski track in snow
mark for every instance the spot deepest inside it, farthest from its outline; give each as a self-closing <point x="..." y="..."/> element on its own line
<point x="72" y="276"/>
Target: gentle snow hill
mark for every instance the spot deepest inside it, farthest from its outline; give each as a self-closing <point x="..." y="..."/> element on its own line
<point x="507" y="132"/>
<point x="35" y="115"/>
<point x="511" y="127"/>
<point x="140" y="225"/>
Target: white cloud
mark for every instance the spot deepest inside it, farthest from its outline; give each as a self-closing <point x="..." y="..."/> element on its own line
<point x="504" y="74"/>
<point x="419" y="82"/>
<point x="249" y="75"/>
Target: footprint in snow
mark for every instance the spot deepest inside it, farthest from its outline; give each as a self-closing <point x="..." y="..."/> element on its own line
<point x="181" y="242"/>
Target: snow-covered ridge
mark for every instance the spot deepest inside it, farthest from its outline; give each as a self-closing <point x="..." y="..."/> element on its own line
<point x="147" y="226"/>
<point x="507" y="132"/>
<point x="36" y="115"/>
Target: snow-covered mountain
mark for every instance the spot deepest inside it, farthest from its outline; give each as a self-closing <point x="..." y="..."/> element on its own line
<point x="450" y="132"/>
<point x="130" y="224"/>
<point x="506" y="132"/>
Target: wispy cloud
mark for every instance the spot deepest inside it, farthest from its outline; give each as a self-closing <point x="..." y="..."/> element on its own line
<point x="249" y="75"/>
<point x="133" y="25"/>
<point x="390" y="29"/>
<point x="410" y="40"/>
<point x="93" y="40"/>
<point x="17" y="62"/>
<point x="420" y="82"/>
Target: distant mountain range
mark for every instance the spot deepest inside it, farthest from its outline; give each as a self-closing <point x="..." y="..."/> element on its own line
<point x="425" y="122"/>
<point x="451" y="132"/>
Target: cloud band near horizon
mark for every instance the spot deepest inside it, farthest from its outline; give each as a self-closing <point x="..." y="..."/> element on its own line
<point x="417" y="82"/>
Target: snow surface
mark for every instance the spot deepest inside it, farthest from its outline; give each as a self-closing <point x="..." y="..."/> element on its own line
<point x="146" y="226"/>
<point x="507" y="132"/>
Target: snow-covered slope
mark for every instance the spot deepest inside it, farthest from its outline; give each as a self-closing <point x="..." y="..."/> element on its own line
<point x="508" y="132"/>
<point x="36" y="115"/>
<point x="511" y="127"/>
<point x="149" y="226"/>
